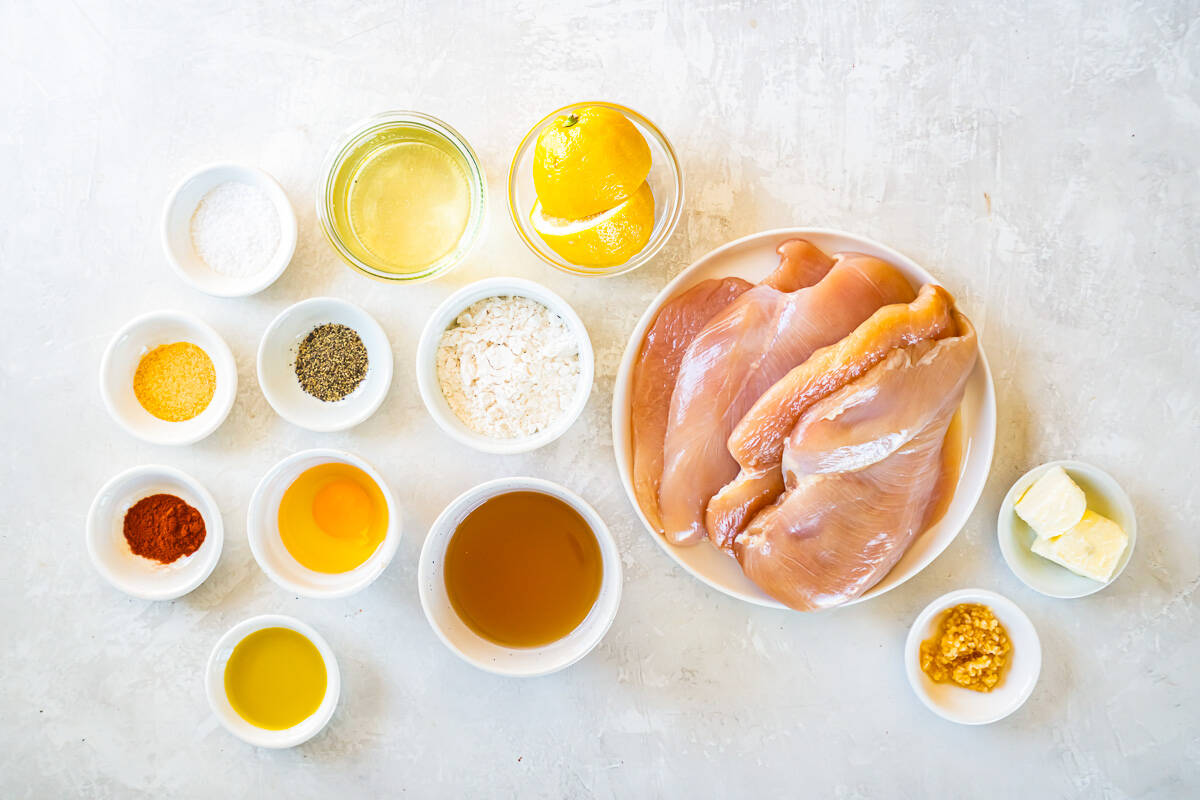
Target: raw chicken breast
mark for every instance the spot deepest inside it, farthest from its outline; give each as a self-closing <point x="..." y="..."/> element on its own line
<point x="759" y="437"/>
<point x="862" y="470"/>
<point x="757" y="441"/>
<point x="677" y="323"/>
<point x="801" y="264"/>
<point x="739" y="354"/>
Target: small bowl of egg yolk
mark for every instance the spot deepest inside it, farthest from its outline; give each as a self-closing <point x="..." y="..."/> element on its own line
<point x="323" y="523"/>
<point x="273" y="681"/>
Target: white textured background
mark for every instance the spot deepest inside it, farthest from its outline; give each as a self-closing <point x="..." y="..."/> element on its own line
<point x="1045" y="161"/>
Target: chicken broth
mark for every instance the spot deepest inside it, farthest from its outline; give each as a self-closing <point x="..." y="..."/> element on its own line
<point x="402" y="200"/>
<point x="523" y="569"/>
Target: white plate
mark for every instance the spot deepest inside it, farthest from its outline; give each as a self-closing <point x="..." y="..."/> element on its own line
<point x="144" y="577"/>
<point x="1104" y="496"/>
<point x="444" y="316"/>
<point x="262" y="529"/>
<point x="474" y="649"/>
<point x="752" y="258"/>
<point x="963" y="705"/>
<point x="141" y="335"/>
<point x="277" y="373"/>
<point x="177" y="230"/>
<point x="214" y="685"/>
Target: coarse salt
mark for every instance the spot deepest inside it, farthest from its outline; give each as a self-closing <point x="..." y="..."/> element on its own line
<point x="235" y="229"/>
<point x="508" y="367"/>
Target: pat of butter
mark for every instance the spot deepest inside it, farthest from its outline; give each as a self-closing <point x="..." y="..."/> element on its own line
<point x="1091" y="549"/>
<point x="1052" y="505"/>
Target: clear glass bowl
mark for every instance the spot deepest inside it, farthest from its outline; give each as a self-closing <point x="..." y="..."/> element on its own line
<point x="666" y="182"/>
<point x="349" y="145"/>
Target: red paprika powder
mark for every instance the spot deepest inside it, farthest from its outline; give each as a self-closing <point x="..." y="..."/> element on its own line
<point x="164" y="528"/>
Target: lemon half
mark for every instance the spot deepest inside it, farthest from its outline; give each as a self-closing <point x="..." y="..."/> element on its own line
<point x="606" y="239"/>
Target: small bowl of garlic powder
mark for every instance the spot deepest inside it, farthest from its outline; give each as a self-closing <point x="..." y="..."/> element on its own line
<point x="229" y="230"/>
<point x="505" y="365"/>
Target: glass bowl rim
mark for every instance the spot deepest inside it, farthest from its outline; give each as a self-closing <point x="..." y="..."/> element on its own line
<point x="669" y="224"/>
<point x="477" y="178"/>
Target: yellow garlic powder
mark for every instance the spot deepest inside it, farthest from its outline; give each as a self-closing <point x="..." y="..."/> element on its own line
<point x="175" y="382"/>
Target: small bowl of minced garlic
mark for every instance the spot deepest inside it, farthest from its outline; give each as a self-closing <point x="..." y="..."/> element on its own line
<point x="1066" y="529"/>
<point x="505" y="365"/>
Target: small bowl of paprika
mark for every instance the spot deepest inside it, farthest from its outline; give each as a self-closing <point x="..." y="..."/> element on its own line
<point x="154" y="532"/>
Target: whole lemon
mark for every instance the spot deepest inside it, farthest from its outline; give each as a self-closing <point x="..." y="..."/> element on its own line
<point x="588" y="161"/>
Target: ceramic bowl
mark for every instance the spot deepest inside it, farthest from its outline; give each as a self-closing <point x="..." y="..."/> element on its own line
<point x="753" y="258"/>
<point x="144" y="577"/>
<point x="963" y="705"/>
<point x="214" y="685"/>
<point x="262" y="528"/>
<point x="484" y="654"/>
<point x="444" y="316"/>
<point x="177" y="231"/>
<point x="381" y="125"/>
<point x="665" y="178"/>
<point x="138" y="337"/>
<point x="1104" y="496"/>
<point x="277" y="375"/>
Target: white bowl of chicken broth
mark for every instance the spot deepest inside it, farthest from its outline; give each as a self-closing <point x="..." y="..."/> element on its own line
<point x="520" y="577"/>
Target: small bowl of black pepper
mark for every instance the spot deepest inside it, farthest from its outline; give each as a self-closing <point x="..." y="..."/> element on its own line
<point x="325" y="364"/>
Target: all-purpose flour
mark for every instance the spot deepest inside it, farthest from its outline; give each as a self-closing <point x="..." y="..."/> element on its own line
<point x="508" y="367"/>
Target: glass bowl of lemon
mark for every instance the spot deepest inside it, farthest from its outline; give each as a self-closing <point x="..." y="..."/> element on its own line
<point x="595" y="189"/>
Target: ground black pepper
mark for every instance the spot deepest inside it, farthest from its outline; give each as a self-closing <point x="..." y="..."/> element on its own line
<point x="331" y="362"/>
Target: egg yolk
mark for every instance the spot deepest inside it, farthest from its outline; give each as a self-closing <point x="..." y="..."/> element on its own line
<point x="332" y="518"/>
<point x="342" y="508"/>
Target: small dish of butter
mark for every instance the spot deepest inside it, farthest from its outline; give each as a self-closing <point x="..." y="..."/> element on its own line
<point x="1066" y="529"/>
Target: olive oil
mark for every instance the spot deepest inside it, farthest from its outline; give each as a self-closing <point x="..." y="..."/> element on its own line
<point x="523" y="569"/>
<point x="402" y="199"/>
<point x="275" y="678"/>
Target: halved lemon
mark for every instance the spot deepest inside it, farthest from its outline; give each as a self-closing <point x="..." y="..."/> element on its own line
<point x="606" y="239"/>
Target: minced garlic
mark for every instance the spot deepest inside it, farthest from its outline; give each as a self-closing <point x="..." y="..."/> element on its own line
<point x="971" y="649"/>
<point x="175" y="382"/>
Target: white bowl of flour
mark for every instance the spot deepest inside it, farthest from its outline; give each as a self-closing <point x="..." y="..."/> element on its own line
<point x="229" y="230"/>
<point x="505" y="365"/>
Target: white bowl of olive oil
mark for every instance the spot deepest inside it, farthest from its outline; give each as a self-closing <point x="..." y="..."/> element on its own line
<point x="285" y="690"/>
<point x="520" y="577"/>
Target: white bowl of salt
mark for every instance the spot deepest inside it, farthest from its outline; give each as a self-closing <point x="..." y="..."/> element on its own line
<point x="229" y="230"/>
